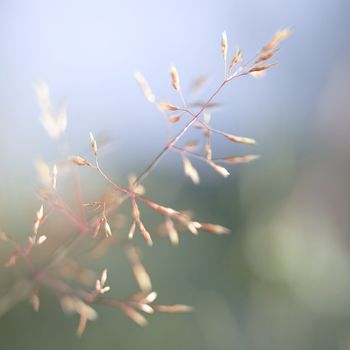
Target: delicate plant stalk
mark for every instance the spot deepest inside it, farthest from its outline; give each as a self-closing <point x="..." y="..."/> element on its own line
<point x="76" y="299"/>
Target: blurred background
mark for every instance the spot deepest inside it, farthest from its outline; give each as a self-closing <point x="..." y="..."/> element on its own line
<point x="281" y="279"/>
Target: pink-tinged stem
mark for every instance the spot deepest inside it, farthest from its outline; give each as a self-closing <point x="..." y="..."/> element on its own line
<point x="83" y="228"/>
<point x="173" y="142"/>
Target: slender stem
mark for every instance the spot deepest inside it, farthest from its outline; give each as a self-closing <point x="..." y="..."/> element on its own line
<point x="78" y="194"/>
<point x="192" y="154"/>
<point x="173" y="142"/>
<point x="83" y="228"/>
<point x="117" y="187"/>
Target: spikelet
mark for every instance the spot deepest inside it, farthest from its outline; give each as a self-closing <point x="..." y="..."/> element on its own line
<point x="100" y="287"/>
<point x="132" y="230"/>
<point x="43" y="171"/>
<point x="35" y="301"/>
<point x="240" y="159"/>
<point x="144" y="307"/>
<point x="266" y="55"/>
<point x="80" y="161"/>
<point x="167" y="106"/>
<point x="261" y="67"/>
<point x="175" y="81"/>
<point x="190" y="170"/>
<point x="173" y="309"/>
<point x="145" y="87"/>
<point x="191" y="145"/>
<point x="239" y="139"/>
<point x="54" y="177"/>
<point x="207" y="117"/>
<point x="174" y="118"/>
<point x="81" y="325"/>
<point x="213" y="228"/>
<point x="99" y="223"/>
<point x="40" y="213"/>
<point x="219" y="169"/>
<point x="107" y="228"/>
<point x="208" y="151"/>
<point x="54" y="125"/>
<point x="41" y="240"/>
<point x="144" y="232"/>
<point x="224" y="45"/>
<point x="134" y="315"/>
<point x="198" y="84"/>
<point x="141" y="276"/>
<point x="93" y="144"/>
<point x="237" y="57"/>
<point x="172" y="233"/>
<point x="11" y="261"/>
<point x="38" y="220"/>
<point x="135" y="210"/>
<point x="144" y="297"/>
<point x="277" y="39"/>
<point x="259" y="74"/>
<point x="71" y="304"/>
<point x="139" y="189"/>
<point x="3" y="236"/>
